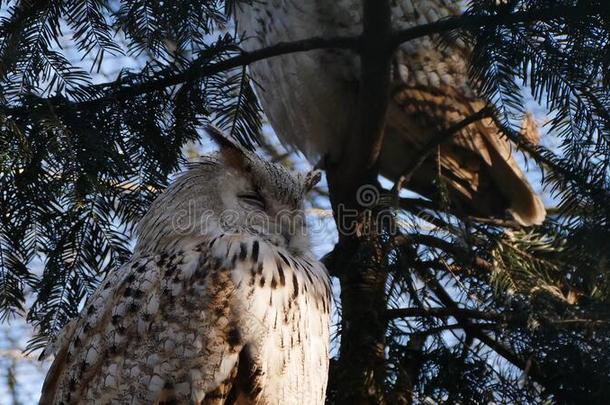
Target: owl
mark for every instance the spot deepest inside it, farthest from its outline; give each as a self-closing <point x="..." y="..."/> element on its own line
<point x="430" y="92"/>
<point x="222" y="301"/>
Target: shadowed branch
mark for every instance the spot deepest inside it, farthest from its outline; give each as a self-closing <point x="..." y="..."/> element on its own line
<point x="200" y="68"/>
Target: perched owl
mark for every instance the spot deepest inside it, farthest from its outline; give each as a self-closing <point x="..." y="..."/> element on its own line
<point x="317" y="92"/>
<point x="221" y="303"/>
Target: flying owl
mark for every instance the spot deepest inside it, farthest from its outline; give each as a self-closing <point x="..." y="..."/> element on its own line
<point x="222" y="301"/>
<point x="317" y="92"/>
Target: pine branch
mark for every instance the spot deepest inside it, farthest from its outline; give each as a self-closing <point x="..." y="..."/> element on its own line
<point x="473" y="330"/>
<point x="13" y="30"/>
<point x="443" y="312"/>
<point x="456" y="251"/>
<point x="201" y="68"/>
<point x="114" y="145"/>
<point x="465" y="22"/>
<point x="547" y="158"/>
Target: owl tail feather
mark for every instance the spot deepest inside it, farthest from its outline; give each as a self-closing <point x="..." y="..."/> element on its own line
<point x="525" y="205"/>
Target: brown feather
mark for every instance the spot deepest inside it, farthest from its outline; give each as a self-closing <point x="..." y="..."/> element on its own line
<point x="477" y="165"/>
<point x="222" y="394"/>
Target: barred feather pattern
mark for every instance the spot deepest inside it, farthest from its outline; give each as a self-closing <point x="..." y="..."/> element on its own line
<point x="219" y="316"/>
<point x="430" y="92"/>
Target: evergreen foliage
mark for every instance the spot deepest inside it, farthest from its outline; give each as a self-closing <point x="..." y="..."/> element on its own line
<point x="479" y="310"/>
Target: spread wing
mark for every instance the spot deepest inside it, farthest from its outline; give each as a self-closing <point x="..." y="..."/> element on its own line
<point x="309" y="98"/>
<point x="431" y="93"/>
<point x="156" y="330"/>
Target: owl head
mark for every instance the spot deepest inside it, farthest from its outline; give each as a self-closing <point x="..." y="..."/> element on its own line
<point x="233" y="191"/>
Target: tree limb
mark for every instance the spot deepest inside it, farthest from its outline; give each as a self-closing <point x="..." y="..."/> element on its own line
<point x="361" y="365"/>
<point x="451" y="248"/>
<point x="467" y="21"/>
<point x="418" y="207"/>
<point x="477" y="333"/>
<point x="199" y="68"/>
<point x="443" y="312"/>
<point x="505" y="223"/>
<point x="356" y="165"/>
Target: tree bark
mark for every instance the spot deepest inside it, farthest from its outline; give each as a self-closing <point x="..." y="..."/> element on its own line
<point x="361" y="367"/>
<point x="361" y="264"/>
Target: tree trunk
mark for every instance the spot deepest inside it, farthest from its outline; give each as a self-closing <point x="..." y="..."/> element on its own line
<point x="361" y="369"/>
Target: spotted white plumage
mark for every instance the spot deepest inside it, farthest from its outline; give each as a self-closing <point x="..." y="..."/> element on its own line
<point x="216" y="306"/>
<point x="316" y="92"/>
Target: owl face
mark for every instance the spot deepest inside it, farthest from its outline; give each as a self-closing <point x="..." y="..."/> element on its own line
<point x="263" y="198"/>
<point x="234" y="192"/>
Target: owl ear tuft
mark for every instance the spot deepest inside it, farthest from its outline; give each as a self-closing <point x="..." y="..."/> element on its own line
<point x="311" y="179"/>
<point x="232" y="154"/>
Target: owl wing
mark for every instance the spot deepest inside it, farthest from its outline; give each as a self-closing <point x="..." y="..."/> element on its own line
<point x="158" y="329"/>
<point x="431" y="92"/>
